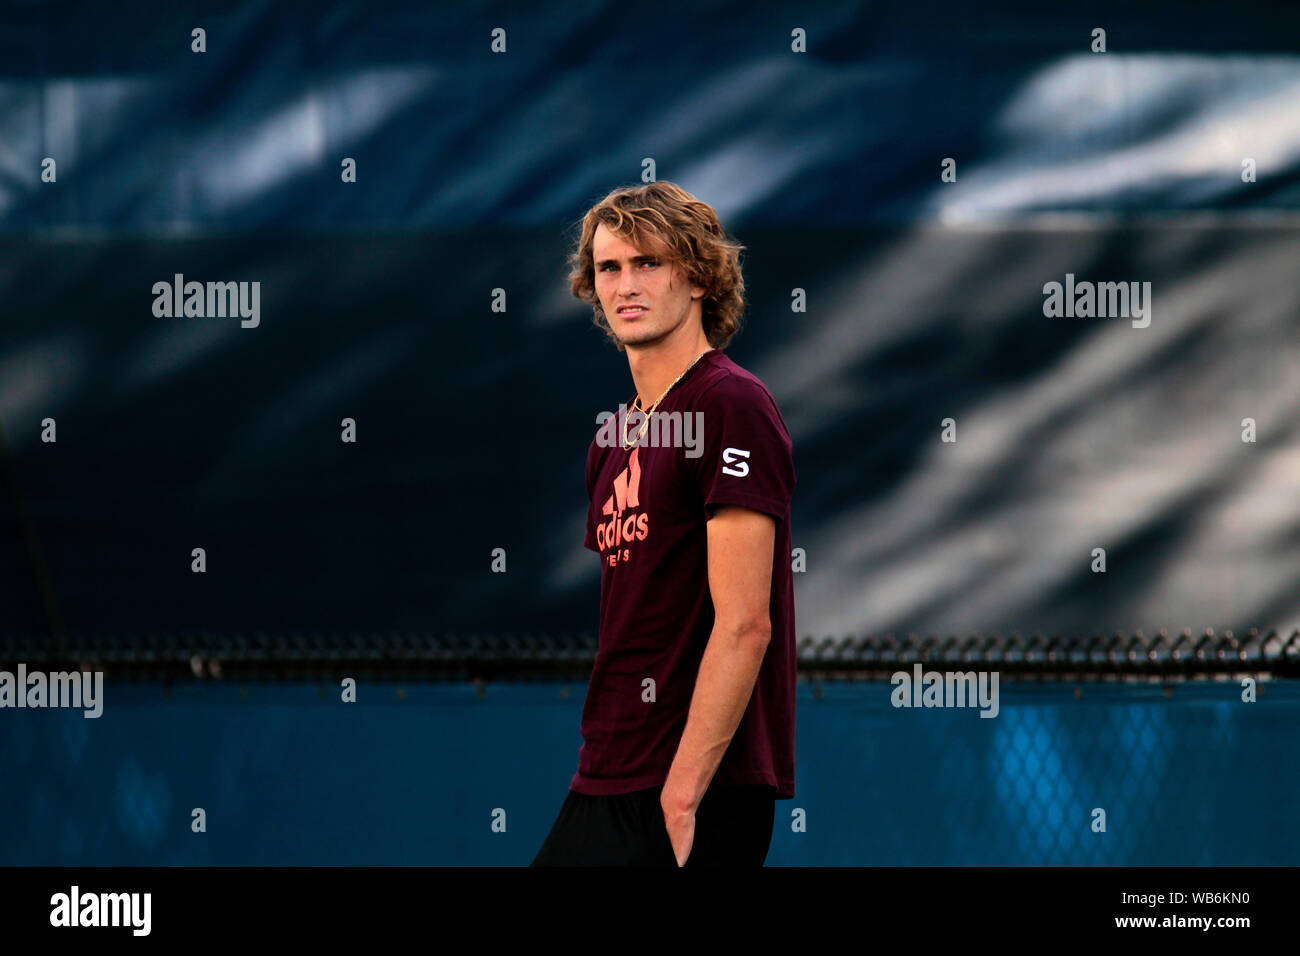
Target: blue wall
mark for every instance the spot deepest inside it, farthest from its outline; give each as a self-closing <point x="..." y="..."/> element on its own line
<point x="290" y="778"/>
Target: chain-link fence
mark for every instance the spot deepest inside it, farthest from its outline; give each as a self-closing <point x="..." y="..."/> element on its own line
<point x="1170" y="751"/>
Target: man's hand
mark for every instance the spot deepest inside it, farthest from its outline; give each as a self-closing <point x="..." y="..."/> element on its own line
<point x="679" y="819"/>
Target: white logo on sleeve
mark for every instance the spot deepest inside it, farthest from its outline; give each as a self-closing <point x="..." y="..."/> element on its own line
<point x="733" y="456"/>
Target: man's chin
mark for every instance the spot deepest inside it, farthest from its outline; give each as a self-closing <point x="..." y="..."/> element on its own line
<point x="641" y="338"/>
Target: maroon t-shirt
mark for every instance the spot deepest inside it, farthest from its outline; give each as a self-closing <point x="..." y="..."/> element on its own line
<point x="649" y="507"/>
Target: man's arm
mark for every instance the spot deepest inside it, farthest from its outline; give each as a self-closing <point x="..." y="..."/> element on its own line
<point x="740" y="542"/>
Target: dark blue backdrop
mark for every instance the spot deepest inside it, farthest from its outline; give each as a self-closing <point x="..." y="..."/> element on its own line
<point x="924" y="302"/>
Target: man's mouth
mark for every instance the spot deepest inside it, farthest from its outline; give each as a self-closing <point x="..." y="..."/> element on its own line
<point x="631" y="310"/>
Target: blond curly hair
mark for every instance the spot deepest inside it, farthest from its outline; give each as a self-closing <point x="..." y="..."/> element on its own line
<point x="688" y="229"/>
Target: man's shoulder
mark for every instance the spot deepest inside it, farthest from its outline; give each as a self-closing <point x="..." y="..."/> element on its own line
<point x="736" y="395"/>
<point x="728" y="382"/>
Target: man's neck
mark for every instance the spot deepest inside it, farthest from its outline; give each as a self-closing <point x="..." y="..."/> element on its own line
<point x="656" y="368"/>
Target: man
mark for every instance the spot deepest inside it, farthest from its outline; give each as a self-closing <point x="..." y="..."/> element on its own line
<point x="688" y="725"/>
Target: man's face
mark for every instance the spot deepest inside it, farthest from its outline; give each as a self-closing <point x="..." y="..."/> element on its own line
<point x="628" y="277"/>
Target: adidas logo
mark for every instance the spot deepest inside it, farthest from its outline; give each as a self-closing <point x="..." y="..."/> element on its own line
<point x="627" y="494"/>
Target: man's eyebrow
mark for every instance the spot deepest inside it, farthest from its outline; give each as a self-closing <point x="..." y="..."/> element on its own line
<point x="604" y="262"/>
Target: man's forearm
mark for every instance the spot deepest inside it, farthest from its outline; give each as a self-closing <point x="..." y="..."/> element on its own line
<point x="725" y="682"/>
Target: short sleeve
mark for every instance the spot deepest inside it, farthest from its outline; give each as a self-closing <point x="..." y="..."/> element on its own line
<point x="747" y="458"/>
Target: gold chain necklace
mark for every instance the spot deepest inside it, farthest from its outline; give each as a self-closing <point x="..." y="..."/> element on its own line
<point x="645" y="425"/>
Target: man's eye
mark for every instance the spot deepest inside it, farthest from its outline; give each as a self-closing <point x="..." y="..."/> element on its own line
<point x="648" y="262"/>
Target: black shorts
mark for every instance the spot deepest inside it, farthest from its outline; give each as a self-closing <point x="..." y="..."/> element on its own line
<point x="733" y="827"/>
